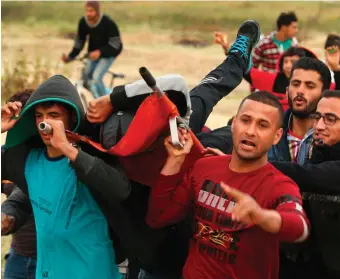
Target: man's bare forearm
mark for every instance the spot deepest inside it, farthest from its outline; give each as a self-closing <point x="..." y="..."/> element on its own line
<point x="173" y="165"/>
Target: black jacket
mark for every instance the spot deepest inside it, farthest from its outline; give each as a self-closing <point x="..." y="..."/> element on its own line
<point x="220" y="138"/>
<point x="104" y="35"/>
<point x="320" y="185"/>
<point x="101" y="173"/>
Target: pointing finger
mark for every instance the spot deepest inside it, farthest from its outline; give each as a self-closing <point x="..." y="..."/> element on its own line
<point x="234" y="193"/>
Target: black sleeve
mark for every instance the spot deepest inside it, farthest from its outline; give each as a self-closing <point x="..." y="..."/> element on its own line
<point x="214" y="87"/>
<point x="247" y="77"/>
<point x="5" y="168"/>
<point x="114" y="45"/>
<point x="320" y="178"/>
<point x="13" y="165"/>
<point x="80" y="39"/>
<point x="220" y="138"/>
<point x="7" y="187"/>
<point x="107" y="179"/>
<point x="19" y="206"/>
<point x="337" y="80"/>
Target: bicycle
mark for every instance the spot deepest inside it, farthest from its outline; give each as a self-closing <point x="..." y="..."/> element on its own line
<point x="83" y="84"/>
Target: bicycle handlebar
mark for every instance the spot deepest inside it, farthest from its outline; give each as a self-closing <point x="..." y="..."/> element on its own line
<point x="81" y="59"/>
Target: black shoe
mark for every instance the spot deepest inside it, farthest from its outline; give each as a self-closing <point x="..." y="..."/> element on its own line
<point x="247" y="37"/>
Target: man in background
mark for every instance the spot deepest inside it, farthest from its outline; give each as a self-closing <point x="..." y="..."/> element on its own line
<point x="103" y="47"/>
<point x="268" y="50"/>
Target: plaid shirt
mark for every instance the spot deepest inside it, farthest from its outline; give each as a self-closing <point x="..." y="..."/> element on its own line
<point x="267" y="53"/>
<point x="300" y="149"/>
<point x="294" y="144"/>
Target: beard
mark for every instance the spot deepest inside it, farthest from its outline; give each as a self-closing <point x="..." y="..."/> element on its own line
<point x="307" y="111"/>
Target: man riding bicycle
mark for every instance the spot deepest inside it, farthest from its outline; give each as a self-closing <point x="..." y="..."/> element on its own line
<point x="104" y="45"/>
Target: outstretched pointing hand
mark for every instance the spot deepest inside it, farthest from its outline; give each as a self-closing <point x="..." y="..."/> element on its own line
<point x="246" y="209"/>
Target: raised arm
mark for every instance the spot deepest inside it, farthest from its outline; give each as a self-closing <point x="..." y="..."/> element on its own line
<point x="333" y="61"/>
<point x="103" y="176"/>
<point x="173" y="195"/>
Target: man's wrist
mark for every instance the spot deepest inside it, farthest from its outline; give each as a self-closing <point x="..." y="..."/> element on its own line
<point x="261" y="217"/>
<point x="173" y="165"/>
<point x="107" y="100"/>
<point x="269" y="220"/>
<point x="175" y="160"/>
<point x="69" y="151"/>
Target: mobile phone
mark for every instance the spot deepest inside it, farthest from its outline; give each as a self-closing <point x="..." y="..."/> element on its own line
<point x="174" y="133"/>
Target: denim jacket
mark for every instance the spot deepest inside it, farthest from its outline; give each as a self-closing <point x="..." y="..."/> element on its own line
<point x="280" y="151"/>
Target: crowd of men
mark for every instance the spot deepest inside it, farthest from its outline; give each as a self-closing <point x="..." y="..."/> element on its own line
<point x="262" y="200"/>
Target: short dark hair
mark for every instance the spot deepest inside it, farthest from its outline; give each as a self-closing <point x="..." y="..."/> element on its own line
<point x="21" y="96"/>
<point x="267" y="98"/>
<point x="292" y="51"/>
<point x="286" y="19"/>
<point x="331" y="94"/>
<point x="332" y="40"/>
<point x="312" y="64"/>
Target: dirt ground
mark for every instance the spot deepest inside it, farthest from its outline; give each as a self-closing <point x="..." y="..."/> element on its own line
<point x="154" y="51"/>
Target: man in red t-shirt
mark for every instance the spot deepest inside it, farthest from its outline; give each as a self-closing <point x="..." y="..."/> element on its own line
<point x="242" y="205"/>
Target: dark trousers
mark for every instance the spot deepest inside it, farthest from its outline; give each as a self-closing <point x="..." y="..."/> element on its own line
<point x="215" y="86"/>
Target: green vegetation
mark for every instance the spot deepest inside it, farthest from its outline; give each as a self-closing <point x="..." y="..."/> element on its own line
<point x="177" y="16"/>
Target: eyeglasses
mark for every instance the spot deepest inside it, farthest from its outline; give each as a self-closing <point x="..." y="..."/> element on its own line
<point x="328" y="118"/>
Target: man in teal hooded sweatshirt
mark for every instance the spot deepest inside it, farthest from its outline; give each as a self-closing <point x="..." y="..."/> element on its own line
<point x="67" y="186"/>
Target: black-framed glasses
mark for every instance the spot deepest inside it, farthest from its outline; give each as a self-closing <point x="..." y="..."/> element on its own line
<point x="328" y="118"/>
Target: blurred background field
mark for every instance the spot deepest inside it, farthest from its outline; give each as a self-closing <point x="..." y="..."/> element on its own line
<point x="166" y="37"/>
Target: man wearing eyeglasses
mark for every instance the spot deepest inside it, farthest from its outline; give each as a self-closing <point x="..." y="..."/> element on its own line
<point x="320" y="182"/>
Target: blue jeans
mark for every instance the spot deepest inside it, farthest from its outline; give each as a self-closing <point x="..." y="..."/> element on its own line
<point x="95" y="72"/>
<point x="19" y="267"/>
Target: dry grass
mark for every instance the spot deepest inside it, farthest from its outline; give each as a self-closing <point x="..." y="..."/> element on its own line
<point x="180" y="16"/>
<point x="144" y="48"/>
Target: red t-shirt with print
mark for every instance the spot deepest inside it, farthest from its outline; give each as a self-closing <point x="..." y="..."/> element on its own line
<point x="222" y="248"/>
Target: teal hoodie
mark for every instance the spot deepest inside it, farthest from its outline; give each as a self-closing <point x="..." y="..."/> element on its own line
<point x="73" y="239"/>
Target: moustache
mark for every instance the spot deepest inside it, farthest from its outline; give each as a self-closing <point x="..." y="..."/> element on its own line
<point x="300" y="97"/>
